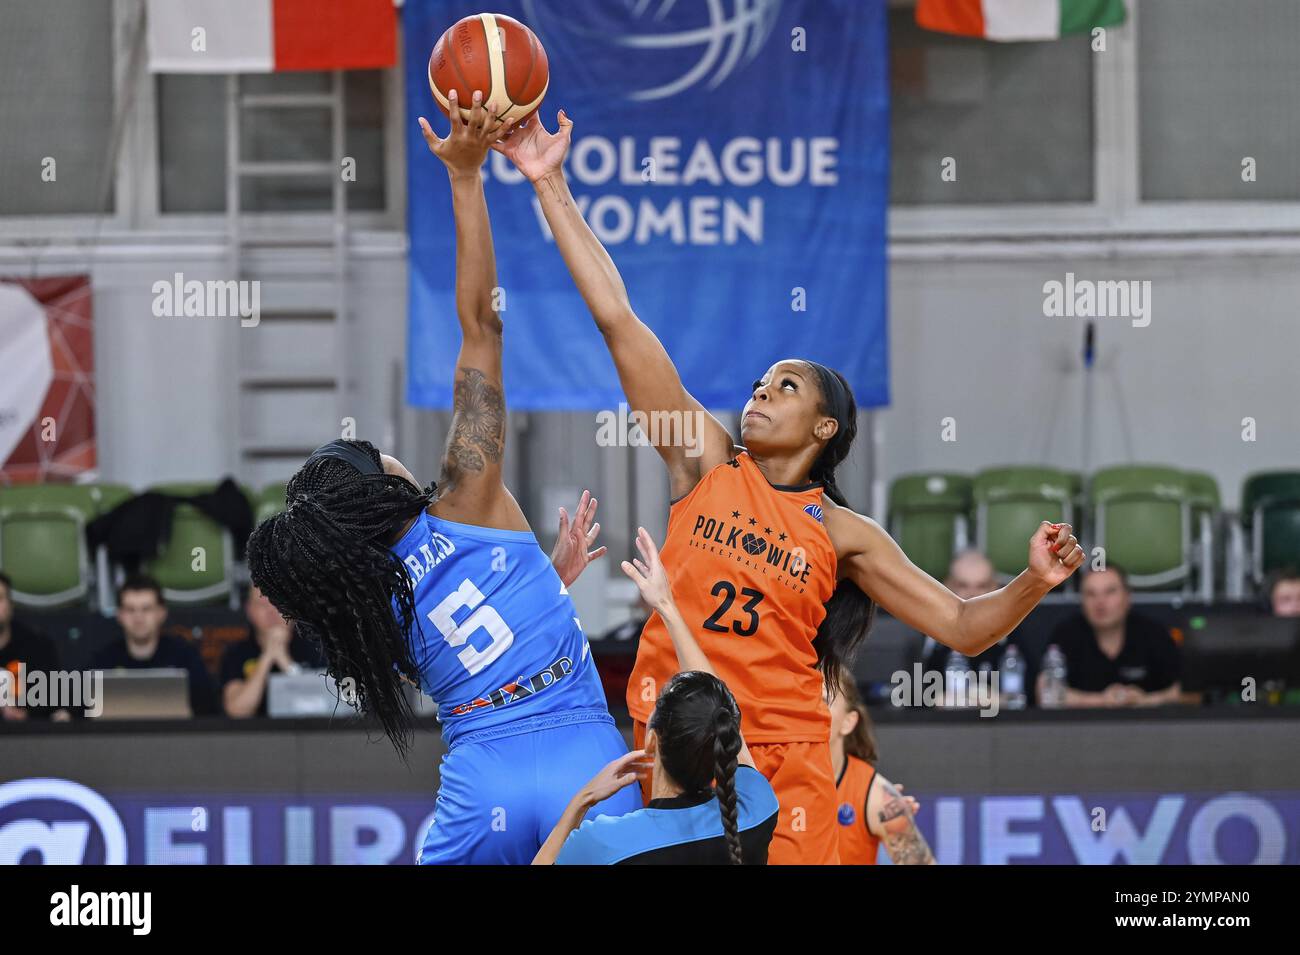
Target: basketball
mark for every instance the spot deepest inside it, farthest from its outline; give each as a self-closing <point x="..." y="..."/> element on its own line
<point x="495" y="54"/>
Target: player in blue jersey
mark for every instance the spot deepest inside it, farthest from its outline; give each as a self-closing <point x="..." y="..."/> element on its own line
<point x="708" y="805"/>
<point x="447" y="588"/>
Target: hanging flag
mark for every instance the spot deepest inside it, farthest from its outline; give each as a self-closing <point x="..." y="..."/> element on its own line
<point x="266" y="36"/>
<point x="47" y="379"/>
<point x="1009" y="20"/>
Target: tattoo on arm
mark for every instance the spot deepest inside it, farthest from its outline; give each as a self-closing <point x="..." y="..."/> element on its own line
<point x="556" y="194"/>
<point x="478" y="426"/>
<point x="903" y="841"/>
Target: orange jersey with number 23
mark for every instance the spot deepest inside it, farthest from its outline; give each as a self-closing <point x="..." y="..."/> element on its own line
<point x="751" y="568"/>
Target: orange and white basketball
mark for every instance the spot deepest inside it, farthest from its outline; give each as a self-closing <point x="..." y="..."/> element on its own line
<point x="493" y="53"/>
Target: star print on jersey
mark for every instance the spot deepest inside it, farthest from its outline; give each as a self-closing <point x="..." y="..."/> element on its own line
<point x="788" y="565"/>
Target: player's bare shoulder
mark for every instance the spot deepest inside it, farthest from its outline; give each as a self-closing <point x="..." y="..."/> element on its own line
<point x="851" y="533"/>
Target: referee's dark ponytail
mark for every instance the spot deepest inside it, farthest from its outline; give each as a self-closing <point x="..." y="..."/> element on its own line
<point x="726" y="747"/>
<point x="850" y="611"/>
<point x="697" y="723"/>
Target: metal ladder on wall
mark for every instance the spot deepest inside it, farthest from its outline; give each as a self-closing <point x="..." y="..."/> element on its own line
<point x="302" y="275"/>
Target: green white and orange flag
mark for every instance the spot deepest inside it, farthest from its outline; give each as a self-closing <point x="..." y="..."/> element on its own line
<point x="1010" y="20"/>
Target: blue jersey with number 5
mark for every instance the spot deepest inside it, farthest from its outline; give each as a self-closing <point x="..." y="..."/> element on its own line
<point x="496" y="636"/>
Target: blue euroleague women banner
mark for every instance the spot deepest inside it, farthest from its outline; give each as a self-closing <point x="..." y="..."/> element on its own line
<point x="60" y="821"/>
<point x="733" y="156"/>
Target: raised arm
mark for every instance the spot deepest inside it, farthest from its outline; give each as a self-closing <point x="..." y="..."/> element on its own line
<point x="870" y="558"/>
<point x="649" y="377"/>
<point x="471" y="487"/>
<point x="652" y="580"/>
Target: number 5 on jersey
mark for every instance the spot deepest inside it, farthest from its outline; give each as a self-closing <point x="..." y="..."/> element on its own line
<point x="483" y="618"/>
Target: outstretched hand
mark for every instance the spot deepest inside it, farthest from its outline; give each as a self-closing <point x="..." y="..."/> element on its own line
<point x="466" y="146"/>
<point x="648" y="573"/>
<point x="534" y="151"/>
<point x="571" y="554"/>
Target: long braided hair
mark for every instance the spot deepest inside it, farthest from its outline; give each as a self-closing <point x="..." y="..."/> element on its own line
<point x="697" y="723"/>
<point x="325" y="563"/>
<point x="850" y="611"/>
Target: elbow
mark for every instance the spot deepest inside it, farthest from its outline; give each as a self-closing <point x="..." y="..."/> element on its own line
<point x="483" y="322"/>
<point x="967" y="641"/>
<point x="613" y="319"/>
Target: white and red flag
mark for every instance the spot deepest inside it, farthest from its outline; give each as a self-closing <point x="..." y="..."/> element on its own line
<point x="269" y="36"/>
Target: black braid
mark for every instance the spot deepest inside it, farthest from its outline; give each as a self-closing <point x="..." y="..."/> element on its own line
<point x="850" y="611"/>
<point x="697" y="723"/>
<point x="726" y="747"/>
<point x="325" y="563"/>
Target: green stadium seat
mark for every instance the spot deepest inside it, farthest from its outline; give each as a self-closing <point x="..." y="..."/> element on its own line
<point x="268" y="502"/>
<point x="1142" y="517"/>
<point x="1203" y="491"/>
<point x="1010" y="503"/>
<point x="1270" y="513"/>
<point x="1079" y="500"/>
<point x="174" y="568"/>
<point x="109" y="496"/>
<point x="929" y="516"/>
<point x="43" y="542"/>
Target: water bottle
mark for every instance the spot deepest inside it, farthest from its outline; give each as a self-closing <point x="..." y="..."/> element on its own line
<point x="1012" y="680"/>
<point x="1054" y="685"/>
<point x="956" y="680"/>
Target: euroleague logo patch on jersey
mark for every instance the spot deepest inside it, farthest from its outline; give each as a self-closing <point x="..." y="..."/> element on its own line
<point x="814" y="511"/>
<point x="846" y="815"/>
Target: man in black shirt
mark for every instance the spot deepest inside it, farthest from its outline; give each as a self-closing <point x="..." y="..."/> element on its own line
<point x="141" y="612"/>
<point x="1113" y="656"/>
<point x="271" y="645"/>
<point x="22" y="651"/>
<point x="970" y="575"/>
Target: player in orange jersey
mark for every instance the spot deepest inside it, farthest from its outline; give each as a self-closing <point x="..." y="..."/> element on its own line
<point x="871" y="810"/>
<point x="776" y="574"/>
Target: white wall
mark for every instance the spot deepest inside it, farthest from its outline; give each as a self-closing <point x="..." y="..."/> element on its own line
<point x="970" y="341"/>
<point x="166" y="388"/>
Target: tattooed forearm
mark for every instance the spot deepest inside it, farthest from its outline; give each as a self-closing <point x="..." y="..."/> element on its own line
<point x="551" y="186"/>
<point x="903" y="841"/>
<point x="478" y="426"/>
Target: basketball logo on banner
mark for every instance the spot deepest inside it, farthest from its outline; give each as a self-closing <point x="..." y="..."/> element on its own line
<point x="727" y="34"/>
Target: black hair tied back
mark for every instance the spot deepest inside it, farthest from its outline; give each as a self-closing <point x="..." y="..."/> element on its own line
<point x="697" y="723"/>
<point x="850" y="611"/>
<point x="325" y="563"/>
